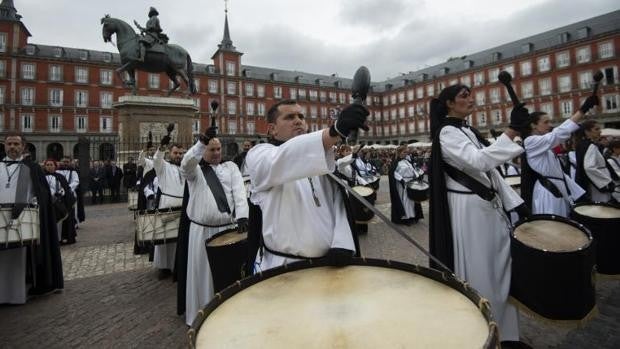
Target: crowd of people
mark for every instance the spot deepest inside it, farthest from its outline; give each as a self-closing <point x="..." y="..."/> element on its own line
<point x="282" y="194"/>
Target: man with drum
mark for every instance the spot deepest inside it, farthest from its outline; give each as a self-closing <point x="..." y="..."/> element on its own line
<point x="344" y="170"/>
<point x="593" y="172"/>
<point x="614" y="162"/>
<point x="171" y="185"/>
<point x="217" y="202"/>
<point x="24" y="188"/>
<point x="401" y="173"/>
<point x="73" y="180"/>
<point x="303" y="211"/>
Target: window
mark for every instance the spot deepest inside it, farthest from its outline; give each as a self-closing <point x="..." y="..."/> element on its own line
<point x="27" y="123"/>
<point x="466" y="80"/>
<point x="105" y="124"/>
<point x="544" y="64"/>
<point x="27" y="96"/>
<point x="606" y="50"/>
<point x="212" y="86"/>
<point x="57" y="52"/>
<point x="419" y="92"/>
<point x="260" y="107"/>
<point x="81" y="75"/>
<point x="430" y="90"/>
<point x="313" y="94"/>
<point x="526" y="68"/>
<point x="583" y="54"/>
<point x="249" y="89"/>
<point x="196" y="126"/>
<point x="153" y="80"/>
<point x="106" y="99"/>
<point x="2" y="42"/>
<point x="411" y="111"/>
<point x="55" y="97"/>
<point x="314" y="111"/>
<point x="585" y="79"/>
<point x="230" y="68"/>
<point x="493" y="73"/>
<point x="547" y="108"/>
<point x="323" y="112"/>
<point x="197" y="84"/>
<point x="562" y="59"/>
<point x="544" y="86"/>
<point x="566" y="108"/>
<point x="81" y="123"/>
<point x="610" y="103"/>
<point x="231" y="88"/>
<point x="410" y="95"/>
<point x="564" y="83"/>
<point x="497" y="117"/>
<point x="83" y="55"/>
<point x="402" y="128"/>
<point x="480" y="98"/>
<point x="2" y="95"/>
<point x="107" y="57"/>
<point x="105" y="77"/>
<point x="527" y="90"/>
<point x="583" y="33"/>
<point x="250" y="127"/>
<point x="232" y="127"/>
<point x="55" y="73"/>
<point x="482" y="118"/>
<point x="1" y="121"/>
<point x="341" y="98"/>
<point x="495" y="95"/>
<point x="479" y="79"/>
<point x="260" y="91"/>
<point x="323" y="96"/>
<point x="30" y="50"/>
<point x="55" y="123"/>
<point x="332" y="97"/>
<point x="293" y="93"/>
<point x="401" y="97"/>
<point x="393" y="99"/>
<point x="2" y="69"/>
<point x="610" y="74"/>
<point x="81" y="99"/>
<point x="231" y="106"/>
<point x="401" y="112"/>
<point x="510" y="69"/>
<point x="393" y="114"/>
<point x="301" y="93"/>
<point x="28" y="70"/>
<point x="277" y="92"/>
<point x="249" y="108"/>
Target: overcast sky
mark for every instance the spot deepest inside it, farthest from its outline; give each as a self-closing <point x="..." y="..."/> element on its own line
<point x="318" y="36"/>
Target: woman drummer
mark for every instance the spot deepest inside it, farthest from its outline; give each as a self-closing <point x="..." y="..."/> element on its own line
<point x="469" y="229"/>
<point x="593" y="173"/>
<point x="401" y="173"/>
<point x="545" y="187"/>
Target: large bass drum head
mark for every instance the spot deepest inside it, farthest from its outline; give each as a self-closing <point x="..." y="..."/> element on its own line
<point x="551" y="235"/>
<point x="356" y="306"/>
<point x="598" y="211"/>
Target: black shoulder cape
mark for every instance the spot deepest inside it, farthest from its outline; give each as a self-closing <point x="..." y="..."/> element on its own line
<point x="528" y="180"/>
<point x="69" y="200"/>
<point x="180" y="260"/>
<point x="397" y="209"/>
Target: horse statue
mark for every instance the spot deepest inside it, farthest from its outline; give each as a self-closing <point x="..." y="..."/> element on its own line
<point x="171" y="59"/>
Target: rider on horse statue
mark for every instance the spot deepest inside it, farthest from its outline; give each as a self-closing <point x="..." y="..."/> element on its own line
<point x="152" y="34"/>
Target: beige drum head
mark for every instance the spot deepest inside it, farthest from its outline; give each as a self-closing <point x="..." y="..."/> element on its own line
<point x="349" y="307"/>
<point x="554" y="236"/>
<point x="418" y="185"/>
<point x="513" y="180"/>
<point x="598" y="211"/>
<point x="228" y="239"/>
<point x="363" y="191"/>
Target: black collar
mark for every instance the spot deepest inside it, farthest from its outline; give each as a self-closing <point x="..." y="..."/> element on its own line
<point x="276" y="142"/>
<point x="457" y="122"/>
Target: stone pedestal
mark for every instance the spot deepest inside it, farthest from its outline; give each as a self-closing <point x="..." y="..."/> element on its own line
<point x="140" y="114"/>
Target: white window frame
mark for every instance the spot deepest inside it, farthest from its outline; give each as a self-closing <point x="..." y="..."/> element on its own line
<point x="566" y="108"/>
<point x="480" y="98"/>
<point x="81" y="98"/>
<point x="260" y="91"/>
<point x="3" y="42"/>
<point x="249" y="89"/>
<point x="231" y="107"/>
<point x="583" y="54"/>
<point x="2" y="68"/>
<point x="250" y="127"/>
<point x="55" y="72"/>
<point x="231" y="88"/>
<point x="79" y="120"/>
<point x="610" y="103"/>
<point x="54" y="123"/>
<point x="2" y="94"/>
<point x="542" y="83"/>
<point x="27" y="95"/>
<point x="479" y="78"/>
<point x="104" y="96"/>
<point x="585" y="80"/>
<point x="212" y="84"/>
<point x="55" y="97"/>
<point x="301" y="93"/>
<point x="249" y="108"/>
<point x="260" y="109"/>
<point x="153" y="81"/>
<point x="232" y="127"/>
<point x="544" y="64"/>
<point x="565" y="83"/>
<point x="106" y="77"/>
<point x="81" y="75"/>
<point x="27" y="122"/>
<point x="562" y="59"/>
<point x="605" y="49"/>
<point x="527" y="89"/>
<point x="105" y="124"/>
<point x="29" y="71"/>
<point x="481" y="118"/>
<point x="231" y="68"/>
<point x="526" y="68"/>
<point x="493" y="73"/>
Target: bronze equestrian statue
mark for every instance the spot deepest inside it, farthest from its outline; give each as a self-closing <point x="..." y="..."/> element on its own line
<point x="150" y="52"/>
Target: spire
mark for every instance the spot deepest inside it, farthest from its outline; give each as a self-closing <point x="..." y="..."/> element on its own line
<point x="8" y="11"/>
<point x="226" y="44"/>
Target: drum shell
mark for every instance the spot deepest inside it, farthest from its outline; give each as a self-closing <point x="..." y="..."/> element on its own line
<point x="149" y="231"/>
<point x="375" y="183"/>
<point x="226" y="261"/>
<point x="417" y="195"/>
<point x="605" y="234"/>
<point x="361" y="214"/>
<point x="555" y="285"/>
<point x="444" y="278"/>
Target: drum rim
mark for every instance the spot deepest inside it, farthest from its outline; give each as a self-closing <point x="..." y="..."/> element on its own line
<point x="216" y="235"/>
<point x="597" y="203"/>
<point x="160" y="210"/>
<point x="5" y="245"/>
<point x="539" y="217"/>
<point x="448" y="279"/>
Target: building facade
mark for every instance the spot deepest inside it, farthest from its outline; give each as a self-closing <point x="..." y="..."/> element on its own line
<point x="55" y="94"/>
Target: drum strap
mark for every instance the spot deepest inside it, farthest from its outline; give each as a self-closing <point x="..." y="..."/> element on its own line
<point x="172" y="196"/>
<point x="470" y="183"/>
<point x="210" y="226"/>
<point x="286" y="255"/>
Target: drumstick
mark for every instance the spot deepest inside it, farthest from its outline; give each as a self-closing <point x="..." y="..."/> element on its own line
<point x="505" y="78"/>
<point x="388" y="222"/>
<point x="359" y="90"/>
<point x="598" y="76"/>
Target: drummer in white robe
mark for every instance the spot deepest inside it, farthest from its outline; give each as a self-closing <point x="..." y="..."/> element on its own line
<point x="543" y="161"/>
<point x="73" y="179"/>
<point x="209" y="214"/>
<point x="614" y="163"/>
<point x="171" y="185"/>
<point x="403" y="174"/>
<point x="479" y="243"/>
<point x="303" y="212"/>
<point x="592" y="171"/>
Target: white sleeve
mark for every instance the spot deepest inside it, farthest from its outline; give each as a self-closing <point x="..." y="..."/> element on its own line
<point x="158" y="162"/>
<point x="614" y="165"/>
<point x="238" y="192"/>
<point x="189" y="164"/>
<point x="594" y="166"/>
<point x="299" y="157"/>
<point x="342" y="163"/>
<point x="537" y="145"/>
<point x="398" y="172"/>
<point x="459" y="151"/>
<point x="75" y="180"/>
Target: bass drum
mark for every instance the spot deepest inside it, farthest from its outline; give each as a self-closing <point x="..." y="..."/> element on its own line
<point x="361" y="214"/>
<point x="417" y="191"/>
<point x="227" y="252"/>
<point x="553" y="267"/>
<point x="370" y="303"/>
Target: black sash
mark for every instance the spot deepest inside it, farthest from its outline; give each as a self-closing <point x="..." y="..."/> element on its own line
<point x="216" y="189"/>
<point x="469" y="182"/>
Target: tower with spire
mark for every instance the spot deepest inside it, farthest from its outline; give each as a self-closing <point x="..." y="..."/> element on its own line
<point x="15" y="33"/>
<point x="227" y="59"/>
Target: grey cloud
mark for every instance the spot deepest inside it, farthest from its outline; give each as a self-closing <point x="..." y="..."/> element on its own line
<point x="379" y="15"/>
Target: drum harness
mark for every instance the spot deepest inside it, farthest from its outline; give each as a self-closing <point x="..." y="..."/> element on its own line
<point x="551" y="187"/>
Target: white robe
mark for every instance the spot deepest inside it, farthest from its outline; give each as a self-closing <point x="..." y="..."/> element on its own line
<point x="292" y="221"/>
<point x="597" y="173"/>
<point x="614" y="161"/>
<point x="344" y="167"/>
<point x="13" y="288"/>
<point x="480" y="228"/>
<point x="405" y="171"/>
<point x="73" y="179"/>
<point x="56" y="190"/>
<point x="151" y="189"/>
<point x="171" y="183"/>
<point x="541" y="159"/>
<point x="202" y="208"/>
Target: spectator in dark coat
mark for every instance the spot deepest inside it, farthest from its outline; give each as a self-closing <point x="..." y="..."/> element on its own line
<point x="113" y="175"/>
<point x="130" y="174"/>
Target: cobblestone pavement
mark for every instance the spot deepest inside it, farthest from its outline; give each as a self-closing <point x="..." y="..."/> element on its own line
<point x="113" y="299"/>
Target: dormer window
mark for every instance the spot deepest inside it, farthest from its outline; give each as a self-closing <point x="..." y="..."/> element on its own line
<point x="30" y="50"/>
<point x="496" y="56"/>
<point x="83" y="55"/>
<point x="527" y="48"/>
<point x="468" y="64"/>
<point x="564" y="37"/>
<point x="583" y="33"/>
<point x="57" y="52"/>
<point x="107" y="57"/>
